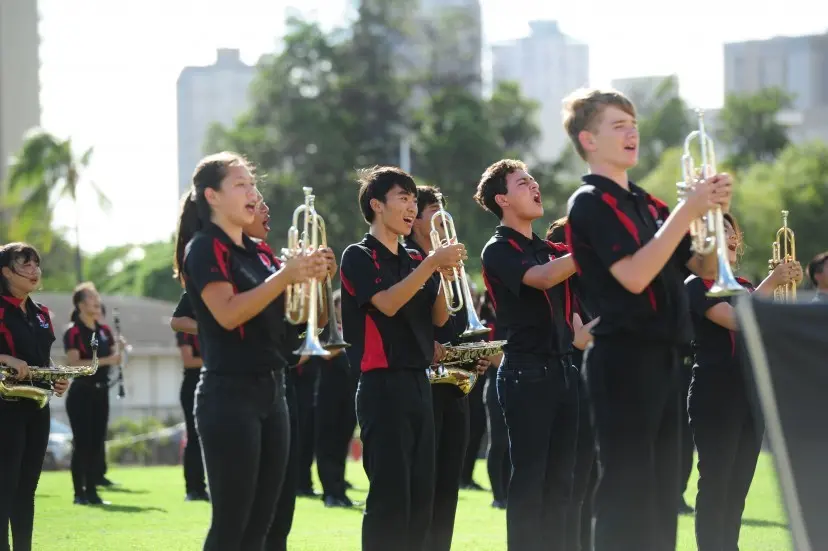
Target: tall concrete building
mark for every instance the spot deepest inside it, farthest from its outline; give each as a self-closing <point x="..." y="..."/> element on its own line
<point x="19" y="76"/>
<point x="217" y="93"/>
<point x="548" y="65"/>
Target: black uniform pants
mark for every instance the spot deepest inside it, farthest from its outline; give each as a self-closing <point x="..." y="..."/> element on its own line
<point x="335" y="423"/>
<point x="242" y="421"/>
<point x="477" y="428"/>
<point x="304" y="379"/>
<point x="497" y="456"/>
<point x="635" y="396"/>
<point x="687" y="444"/>
<point x="87" y="405"/>
<point x="286" y="506"/>
<point x="25" y="430"/>
<point x="728" y="440"/>
<point x="397" y="430"/>
<point x="451" y="433"/>
<point x="193" y="463"/>
<point x="579" y="517"/>
<point x="539" y="397"/>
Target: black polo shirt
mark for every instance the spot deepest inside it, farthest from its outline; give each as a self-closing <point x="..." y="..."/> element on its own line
<point x="27" y="336"/>
<point x="608" y="223"/>
<point x="78" y="337"/>
<point x="403" y="341"/>
<point x="532" y="321"/>
<point x="254" y="347"/>
<point x="186" y="339"/>
<point x="184" y="308"/>
<point x="714" y="346"/>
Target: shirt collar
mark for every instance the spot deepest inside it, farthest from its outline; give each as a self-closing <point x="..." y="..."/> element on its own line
<point x="382" y="251"/>
<point x="410" y="243"/>
<point x="511" y="234"/>
<point x="248" y="245"/>
<point x="14" y="301"/>
<point x="608" y="186"/>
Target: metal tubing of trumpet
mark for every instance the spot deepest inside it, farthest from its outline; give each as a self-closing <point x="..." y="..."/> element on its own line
<point x="311" y="345"/>
<point x="784" y="250"/>
<point x="335" y="339"/>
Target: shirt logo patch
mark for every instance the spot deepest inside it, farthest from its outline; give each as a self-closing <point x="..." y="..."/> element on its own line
<point x="266" y="261"/>
<point x="42" y="320"/>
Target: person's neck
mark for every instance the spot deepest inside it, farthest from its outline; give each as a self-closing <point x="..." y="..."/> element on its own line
<point x="88" y="321"/>
<point x="385" y="236"/>
<point x="520" y="225"/>
<point x="19" y="295"/>
<point x="233" y="231"/>
<point x="424" y="242"/>
<point x="617" y="175"/>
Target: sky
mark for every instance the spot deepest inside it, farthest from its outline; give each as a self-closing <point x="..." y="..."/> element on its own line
<point x="109" y="70"/>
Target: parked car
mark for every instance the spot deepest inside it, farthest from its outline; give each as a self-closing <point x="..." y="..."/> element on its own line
<point x="59" y="449"/>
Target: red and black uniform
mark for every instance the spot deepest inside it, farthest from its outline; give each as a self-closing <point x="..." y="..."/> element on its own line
<point x="194" y="482"/>
<point x="537" y="387"/>
<point x="87" y="405"/>
<point x="26" y="333"/>
<point x="728" y="435"/>
<point x="240" y="400"/>
<point x="394" y="405"/>
<point x="632" y="367"/>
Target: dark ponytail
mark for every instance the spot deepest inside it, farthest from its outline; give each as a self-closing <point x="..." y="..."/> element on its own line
<point x="195" y="210"/>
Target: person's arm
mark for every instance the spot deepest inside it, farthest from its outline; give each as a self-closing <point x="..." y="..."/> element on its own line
<point x="550" y="274"/>
<point x="510" y="266"/>
<point x="439" y="311"/>
<point x="72" y="347"/>
<point x="184" y="325"/>
<point x="715" y="309"/>
<point x="208" y="270"/>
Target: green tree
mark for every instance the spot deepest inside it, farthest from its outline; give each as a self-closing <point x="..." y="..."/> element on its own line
<point x="514" y="117"/>
<point x="136" y="270"/>
<point x="749" y="125"/>
<point x="46" y="170"/>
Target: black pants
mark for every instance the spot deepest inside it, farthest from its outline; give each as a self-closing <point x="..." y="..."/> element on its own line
<point x="687" y="444"/>
<point x="635" y="396"/>
<point x="477" y="428"/>
<point x="243" y="425"/>
<point x="87" y="405"/>
<point x="497" y="456"/>
<point x="397" y="430"/>
<point x="286" y="506"/>
<point x="539" y="398"/>
<point x="304" y="379"/>
<point x="335" y="423"/>
<point x="579" y="516"/>
<point x="193" y="463"/>
<point x="728" y="440"/>
<point x="451" y="432"/>
<point x="25" y="429"/>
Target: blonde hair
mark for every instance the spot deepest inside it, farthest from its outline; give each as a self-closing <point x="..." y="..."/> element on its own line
<point x="582" y="110"/>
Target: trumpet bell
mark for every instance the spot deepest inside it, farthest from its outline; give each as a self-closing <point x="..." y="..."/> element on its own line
<point x="311" y="347"/>
<point x="334" y="346"/>
<point x="474" y="327"/>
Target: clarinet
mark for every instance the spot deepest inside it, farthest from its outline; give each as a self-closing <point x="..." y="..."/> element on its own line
<point x="120" y="380"/>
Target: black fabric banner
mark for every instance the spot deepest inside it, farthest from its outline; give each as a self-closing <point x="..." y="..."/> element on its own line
<point x="787" y="345"/>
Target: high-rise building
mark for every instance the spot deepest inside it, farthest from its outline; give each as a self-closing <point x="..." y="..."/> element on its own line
<point x="548" y="65"/>
<point x="19" y="76"/>
<point x="217" y="93"/>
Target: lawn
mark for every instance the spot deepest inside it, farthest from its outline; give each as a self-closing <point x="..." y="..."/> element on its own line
<point x="149" y="514"/>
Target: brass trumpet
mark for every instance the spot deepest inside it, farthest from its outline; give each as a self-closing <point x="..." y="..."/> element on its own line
<point x="784" y="250"/>
<point x="707" y="232"/>
<point x="44" y="374"/>
<point x="301" y="299"/>
<point x="462" y="292"/>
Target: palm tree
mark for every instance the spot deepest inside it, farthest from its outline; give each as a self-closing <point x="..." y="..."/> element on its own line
<point x="45" y="171"/>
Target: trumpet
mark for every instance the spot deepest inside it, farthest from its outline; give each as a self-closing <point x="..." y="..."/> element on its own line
<point x="301" y="299"/>
<point x="335" y="340"/>
<point x="44" y="374"/>
<point x="461" y="294"/>
<point x="707" y="232"/>
<point x="784" y="250"/>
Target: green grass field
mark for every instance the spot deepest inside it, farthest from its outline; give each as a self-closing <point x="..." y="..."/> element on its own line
<point x="149" y="514"/>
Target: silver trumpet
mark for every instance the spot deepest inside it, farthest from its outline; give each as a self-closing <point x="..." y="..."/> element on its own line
<point x="707" y="232"/>
<point x="461" y="294"/>
<point x="302" y="299"/>
<point x="335" y="340"/>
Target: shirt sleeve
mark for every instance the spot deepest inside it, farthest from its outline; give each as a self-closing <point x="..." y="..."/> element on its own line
<point x="182" y="339"/>
<point x="507" y="264"/>
<point x="207" y="261"/>
<point x="360" y="275"/>
<point x="700" y="303"/>
<point x="598" y="223"/>
<point x="184" y="309"/>
<point x="70" y="339"/>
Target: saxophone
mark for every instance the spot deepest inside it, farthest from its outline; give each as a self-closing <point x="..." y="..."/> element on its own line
<point x="449" y="370"/>
<point x="43" y="374"/>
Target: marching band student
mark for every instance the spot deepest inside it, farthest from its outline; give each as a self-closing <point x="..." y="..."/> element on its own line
<point x="390" y="306"/>
<point x="450" y="405"/>
<point x="26" y="337"/>
<point x="240" y="400"/>
<point x="537" y="384"/>
<point x="87" y="403"/>
<point x="632" y="256"/>
<point x="819" y="276"/>
<point x="190" y="351"/>
<point x="579" y="516"/>
<point x="728" y="435"/>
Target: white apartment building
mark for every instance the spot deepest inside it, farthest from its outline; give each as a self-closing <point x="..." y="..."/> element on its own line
<point x="548" y="65"/>
<point x="19" y="75"/>
<point x="217" y="93"/>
